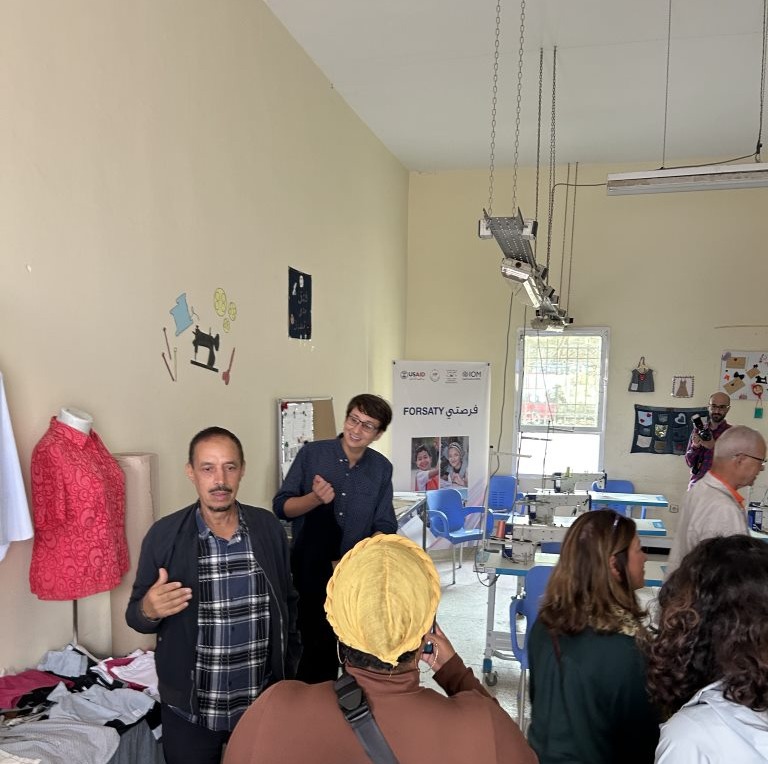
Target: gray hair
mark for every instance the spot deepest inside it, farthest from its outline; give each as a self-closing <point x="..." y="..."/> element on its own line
<point x="738" y="440"/>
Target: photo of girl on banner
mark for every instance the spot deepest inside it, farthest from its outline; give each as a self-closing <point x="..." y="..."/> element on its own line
<point x="424" y="463"/>
<point x="454" y="462"/>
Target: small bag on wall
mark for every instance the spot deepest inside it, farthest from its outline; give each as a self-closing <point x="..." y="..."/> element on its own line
<point x="642" y="378"/>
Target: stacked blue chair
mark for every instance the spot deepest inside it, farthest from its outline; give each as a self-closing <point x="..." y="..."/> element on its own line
<point x="447" y="518"/>
<point x="528" y="606"/>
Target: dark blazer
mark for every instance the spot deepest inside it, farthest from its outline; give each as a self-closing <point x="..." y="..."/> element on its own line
<point x="171" y="543"/>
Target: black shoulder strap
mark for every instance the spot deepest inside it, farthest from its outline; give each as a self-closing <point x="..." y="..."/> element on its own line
<point x="354" y="706"/>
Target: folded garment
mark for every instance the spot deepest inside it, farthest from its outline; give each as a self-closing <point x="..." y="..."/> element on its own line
<point x="60" y="742"/>
<point x="13" y="686"/>
<point x="99" y="705"/>
<point x="64" y="662"/>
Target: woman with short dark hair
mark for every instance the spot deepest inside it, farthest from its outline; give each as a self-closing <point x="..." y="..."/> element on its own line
<point x="588" y="696"/>
<point x="708" y="660"/>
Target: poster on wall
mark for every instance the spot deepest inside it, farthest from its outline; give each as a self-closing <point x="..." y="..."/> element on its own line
<point x="743" y="374"/>
<point x="299" y="305"/>
<point x="441" y="426"/>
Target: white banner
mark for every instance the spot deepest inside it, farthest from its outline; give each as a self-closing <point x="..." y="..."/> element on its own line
<point x="441" y="426"/>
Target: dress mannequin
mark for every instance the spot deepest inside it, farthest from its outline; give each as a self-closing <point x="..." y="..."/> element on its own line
<point x="76" y="418"/>
<point x="78" y="497"/>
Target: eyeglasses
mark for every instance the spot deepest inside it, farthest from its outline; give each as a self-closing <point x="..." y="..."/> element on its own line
<point x="353" y="421"/>
<point x="715" y="407"/>
<point x="756" y="458"/>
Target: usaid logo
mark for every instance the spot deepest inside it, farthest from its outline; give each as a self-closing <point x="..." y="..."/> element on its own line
<point x="472" y="374"/>
<point x="434" y="375"/>
<point x="415" y="375"/>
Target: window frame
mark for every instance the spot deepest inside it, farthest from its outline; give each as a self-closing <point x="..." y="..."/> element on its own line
<point x="520" y="429"/>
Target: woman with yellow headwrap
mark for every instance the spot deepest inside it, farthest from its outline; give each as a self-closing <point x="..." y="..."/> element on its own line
<point x="382" y="601"/>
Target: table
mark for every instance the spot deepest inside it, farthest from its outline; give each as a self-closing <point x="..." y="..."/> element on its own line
<point x="408" y="504"/>
<point x="642" y="500"/>
<point x="644" y="527"/>
<point x="497" y="643"/>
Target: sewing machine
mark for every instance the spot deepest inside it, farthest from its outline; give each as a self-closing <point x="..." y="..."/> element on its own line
<point x="565" y="482"/>
<point x="524" y="541"/>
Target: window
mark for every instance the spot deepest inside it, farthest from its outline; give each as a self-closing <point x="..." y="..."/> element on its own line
<point x="561" y="400"/>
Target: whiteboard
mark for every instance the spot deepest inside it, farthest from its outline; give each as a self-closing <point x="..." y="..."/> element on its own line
<point x="300" y="420"/>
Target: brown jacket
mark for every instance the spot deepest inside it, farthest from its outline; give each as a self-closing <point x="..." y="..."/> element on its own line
<point x="297" y="722"/>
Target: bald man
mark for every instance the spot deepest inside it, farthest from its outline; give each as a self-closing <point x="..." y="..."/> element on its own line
<point x="713" y="506"/>
<point x="698" y="455"/>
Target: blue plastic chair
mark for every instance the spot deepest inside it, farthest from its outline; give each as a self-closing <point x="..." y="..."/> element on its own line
<point x="447" y="518"/>
<point x="527" y="605"/>
<point x="502" y="494"/>
<point x="618" y="486"/>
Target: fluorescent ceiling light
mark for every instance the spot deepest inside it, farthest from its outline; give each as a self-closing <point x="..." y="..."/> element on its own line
<point x="708" y="178"/>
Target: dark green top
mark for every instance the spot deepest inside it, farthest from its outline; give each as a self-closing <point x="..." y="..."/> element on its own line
<point x="590" y="707"/>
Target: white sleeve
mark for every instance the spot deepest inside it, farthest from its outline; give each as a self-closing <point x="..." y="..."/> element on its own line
<point x="683" y="741"/>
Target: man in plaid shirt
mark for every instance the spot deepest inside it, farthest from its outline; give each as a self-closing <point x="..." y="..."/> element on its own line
<point x="698" y="455"/>
<point x="214" y="583"/>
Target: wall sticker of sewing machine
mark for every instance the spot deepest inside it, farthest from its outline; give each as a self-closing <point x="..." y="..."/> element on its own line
<point x="203" y="340"/>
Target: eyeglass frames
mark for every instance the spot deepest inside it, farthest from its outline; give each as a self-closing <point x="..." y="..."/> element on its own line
<point x="756" y="458"/>
<point x="353" y="421"/>
<point x="715" y="407"/>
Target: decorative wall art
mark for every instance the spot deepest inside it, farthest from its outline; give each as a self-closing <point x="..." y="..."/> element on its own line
<point x="682" y="387"/>
<point x="740" y="371"/>
<point x="299" y="305"/>
<point x="204" y="345"/>
<point x="662" y="430"/>
<point x="642" y="378"/>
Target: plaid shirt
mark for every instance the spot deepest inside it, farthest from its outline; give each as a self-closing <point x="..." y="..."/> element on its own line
<point x="233" y="629"/>
<point x="698" y="458"/>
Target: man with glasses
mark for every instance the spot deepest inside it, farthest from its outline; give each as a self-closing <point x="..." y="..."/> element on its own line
<point x="336" y="493"/>
<point x="713" y="506"/>
<point x="698" y="455"/>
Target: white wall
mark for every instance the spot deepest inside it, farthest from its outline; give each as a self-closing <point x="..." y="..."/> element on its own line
<point x="156" y="147"/>
<point x="678" y="278"/>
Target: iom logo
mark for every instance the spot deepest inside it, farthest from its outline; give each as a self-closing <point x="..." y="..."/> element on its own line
<point x="472" y="374"/>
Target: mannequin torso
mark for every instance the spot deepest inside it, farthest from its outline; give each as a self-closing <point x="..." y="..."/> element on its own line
<point x="80" y="420"/>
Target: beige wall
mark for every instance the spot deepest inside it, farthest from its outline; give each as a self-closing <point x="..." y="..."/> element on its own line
<point x="157" y="147"/>
<point x="678" y="278"/>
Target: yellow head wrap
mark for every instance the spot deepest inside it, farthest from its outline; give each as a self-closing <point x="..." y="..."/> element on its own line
<point x="383" y="597"/>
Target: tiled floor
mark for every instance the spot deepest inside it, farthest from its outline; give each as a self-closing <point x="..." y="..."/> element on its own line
<point x="462" y="616"/>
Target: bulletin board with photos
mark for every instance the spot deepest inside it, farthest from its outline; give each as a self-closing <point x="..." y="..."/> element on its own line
<point x="300" y="420"/>
<point x="744" y="374"/>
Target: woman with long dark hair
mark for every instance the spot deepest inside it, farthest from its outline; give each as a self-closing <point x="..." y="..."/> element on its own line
<point x="708" y="661"/>
<point x="588" y="696"/>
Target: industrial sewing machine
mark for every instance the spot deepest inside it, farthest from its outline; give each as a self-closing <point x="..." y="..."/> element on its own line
<point x="521" y="540"/>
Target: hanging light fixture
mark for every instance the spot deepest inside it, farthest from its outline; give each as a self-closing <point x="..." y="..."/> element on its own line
<point x="516" y="235"/>
<point x="704" y="177"/>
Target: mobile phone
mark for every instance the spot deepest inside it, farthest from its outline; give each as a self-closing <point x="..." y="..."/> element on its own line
<point x="429" y="647"/>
